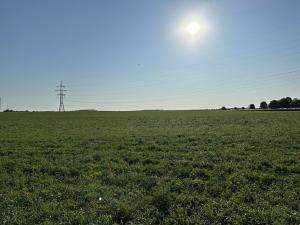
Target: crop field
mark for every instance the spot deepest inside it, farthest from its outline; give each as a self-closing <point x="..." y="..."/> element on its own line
<point x="150" y="167"/>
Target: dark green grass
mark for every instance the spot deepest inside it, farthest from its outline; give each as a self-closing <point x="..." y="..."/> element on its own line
<point x="181" y="167"/>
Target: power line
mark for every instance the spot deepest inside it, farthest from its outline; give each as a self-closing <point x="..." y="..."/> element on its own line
<point x="221" y="83"/>
<point x="243" y="60"/>
<point x="61" y="95"/>
<point x="267" y="52"/>
<point x="243" y="86"/>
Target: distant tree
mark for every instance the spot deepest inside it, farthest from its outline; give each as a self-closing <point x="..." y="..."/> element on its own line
<point x="295" y="103"/>
<point x="274" y="104"/>
<point x="263" y="105"/>
<point x="243" y="107"/>
<point x="235" y="108"/>
<point x="223" y="108"/>
<point x="285" y="102"/>
<point x="251" y="106"/>
<point x="8" y="110"/>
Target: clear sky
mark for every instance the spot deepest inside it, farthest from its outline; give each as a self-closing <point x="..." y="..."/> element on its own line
<point x="137" y="54"/>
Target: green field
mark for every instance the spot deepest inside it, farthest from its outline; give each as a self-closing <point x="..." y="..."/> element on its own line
<point x="172" y="167"/>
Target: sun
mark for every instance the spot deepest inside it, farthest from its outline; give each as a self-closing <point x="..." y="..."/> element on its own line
<point x="193" y="28"/>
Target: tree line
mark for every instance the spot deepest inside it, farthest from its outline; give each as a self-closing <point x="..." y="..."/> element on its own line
<point x="283" y="103"/>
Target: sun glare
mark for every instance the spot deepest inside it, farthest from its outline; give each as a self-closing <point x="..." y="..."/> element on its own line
<point x="193" y="28"/>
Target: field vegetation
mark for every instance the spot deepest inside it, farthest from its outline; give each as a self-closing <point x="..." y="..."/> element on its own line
<point x="167" y="167"/>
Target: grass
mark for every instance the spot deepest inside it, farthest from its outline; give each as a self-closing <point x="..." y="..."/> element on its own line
<point x="173" y="167"/>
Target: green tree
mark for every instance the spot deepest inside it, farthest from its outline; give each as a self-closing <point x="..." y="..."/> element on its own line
<point x="295" y="103"/>
<point x="263" y="105"/>
<point x="274" y="104"/>
<point x="285" y="102"/>
<point x="251" y="106"/>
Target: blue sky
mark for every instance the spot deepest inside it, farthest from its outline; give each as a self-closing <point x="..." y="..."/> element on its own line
<point x="130" y="55"/>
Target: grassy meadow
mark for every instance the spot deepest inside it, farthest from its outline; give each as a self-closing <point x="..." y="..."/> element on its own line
<point x="151" y="167"/>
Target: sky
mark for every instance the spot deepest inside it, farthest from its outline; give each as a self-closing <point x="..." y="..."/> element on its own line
<point x="138" y="54"/>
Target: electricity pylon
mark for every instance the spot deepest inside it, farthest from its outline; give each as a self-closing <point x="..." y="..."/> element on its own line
<point x="61" y="95"/>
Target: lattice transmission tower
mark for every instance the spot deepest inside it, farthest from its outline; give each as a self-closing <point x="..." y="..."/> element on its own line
<point x="61" y="93"/>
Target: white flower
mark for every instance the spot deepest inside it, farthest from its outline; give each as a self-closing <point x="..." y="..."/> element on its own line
<point x="100" y="199"/>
